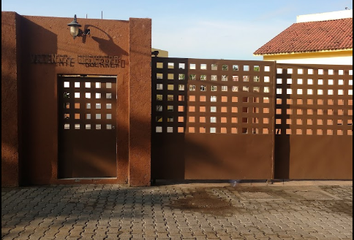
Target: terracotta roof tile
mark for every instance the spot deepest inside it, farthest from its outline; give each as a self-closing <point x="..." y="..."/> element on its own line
<point x="311" y="36"/>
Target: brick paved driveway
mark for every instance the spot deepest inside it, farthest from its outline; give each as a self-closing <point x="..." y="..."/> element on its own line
<point x="178" y="211"/>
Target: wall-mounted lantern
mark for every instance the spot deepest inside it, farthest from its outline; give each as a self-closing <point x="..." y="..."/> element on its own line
<point x="75" y="31"/>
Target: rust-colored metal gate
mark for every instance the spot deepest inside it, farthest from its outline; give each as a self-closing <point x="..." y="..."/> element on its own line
<point x="314" y="122"/>
<point x="223" y="119"/>
<point x="87" y="136"/>
<point x="212" y="119"/>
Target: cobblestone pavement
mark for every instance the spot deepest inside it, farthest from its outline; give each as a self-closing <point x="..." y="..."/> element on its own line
<point x="179" y="211"/>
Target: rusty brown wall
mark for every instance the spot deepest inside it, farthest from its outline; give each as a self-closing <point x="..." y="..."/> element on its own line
<point x="9" y="101"/>
<point x="38" y="86"/>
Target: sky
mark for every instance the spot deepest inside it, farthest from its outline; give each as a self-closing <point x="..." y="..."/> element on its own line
<point x="223" y="29"/>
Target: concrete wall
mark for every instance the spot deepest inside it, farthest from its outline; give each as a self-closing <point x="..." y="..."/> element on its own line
<point x="32" y="151"/>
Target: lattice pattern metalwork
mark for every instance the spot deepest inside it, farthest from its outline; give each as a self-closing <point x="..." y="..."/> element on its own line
<point x="87" y="104"/>
<point x="169" y="95"/>
<point x="314" y="100"/>
<point x="229" y="97"/>
<point x="209" y="96"/>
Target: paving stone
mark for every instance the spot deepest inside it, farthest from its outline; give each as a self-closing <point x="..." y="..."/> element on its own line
<point x="175" y="237"/>
<point x="198" y="232"/>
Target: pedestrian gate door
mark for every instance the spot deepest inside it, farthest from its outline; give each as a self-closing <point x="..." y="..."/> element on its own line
<point x="87" y="136"/>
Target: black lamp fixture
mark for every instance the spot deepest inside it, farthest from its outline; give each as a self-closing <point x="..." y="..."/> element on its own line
<point x="75" y="31"/>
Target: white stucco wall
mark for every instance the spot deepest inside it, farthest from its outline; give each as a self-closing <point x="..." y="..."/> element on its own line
<point x="325" y="16"/>
<point x="331" y="60"/>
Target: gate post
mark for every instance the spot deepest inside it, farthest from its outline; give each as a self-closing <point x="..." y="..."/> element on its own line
<point x="9" y="101"/>
<point x="139" y="172"/>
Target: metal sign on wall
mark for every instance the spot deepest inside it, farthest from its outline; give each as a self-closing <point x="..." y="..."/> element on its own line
<point x="86" y="60"/>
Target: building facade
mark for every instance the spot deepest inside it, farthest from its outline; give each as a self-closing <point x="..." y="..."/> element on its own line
<point x="62" y="97"/>
<point x="322" y="38"/>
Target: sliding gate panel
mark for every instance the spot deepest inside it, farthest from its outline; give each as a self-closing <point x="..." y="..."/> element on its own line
<point x="314" y="128"/>
<point x="169" y="84"/>
<point x="212" y="119"/>
<point x="87" y="135"/>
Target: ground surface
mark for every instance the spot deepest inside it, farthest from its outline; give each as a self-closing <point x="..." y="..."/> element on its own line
<point x="179" y="211"/>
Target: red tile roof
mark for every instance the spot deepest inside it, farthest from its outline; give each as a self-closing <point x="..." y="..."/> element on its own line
<point x="310" y="37"/>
